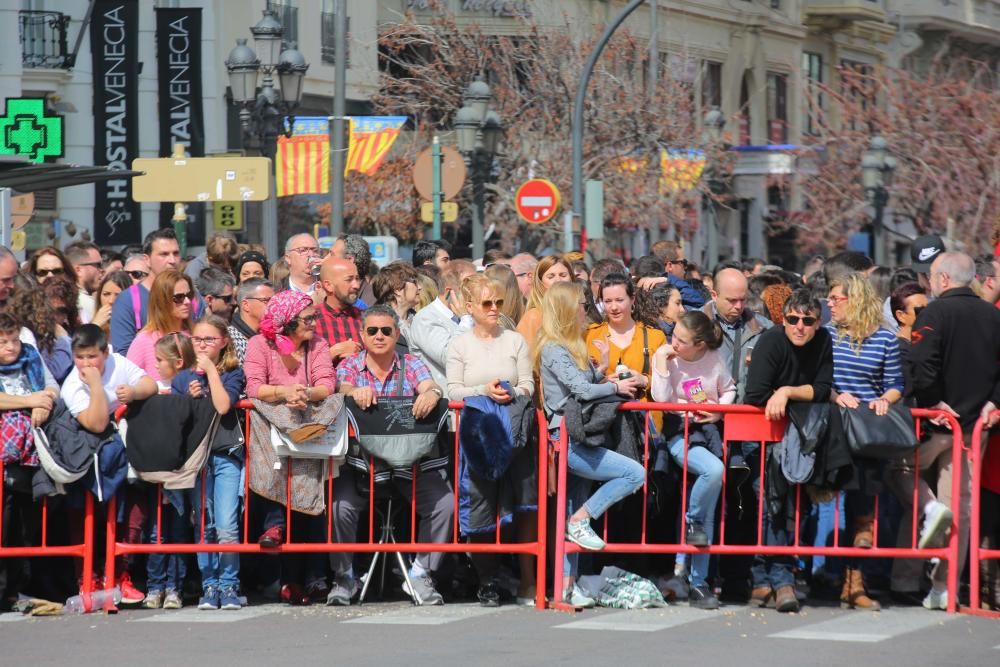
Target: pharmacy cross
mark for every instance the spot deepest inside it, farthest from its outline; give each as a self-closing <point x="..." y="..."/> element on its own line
<point x="27" y="130"/>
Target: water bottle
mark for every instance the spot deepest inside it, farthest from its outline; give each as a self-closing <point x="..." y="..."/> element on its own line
<point x="85" y="603"/>
<point x="622" y="371"/>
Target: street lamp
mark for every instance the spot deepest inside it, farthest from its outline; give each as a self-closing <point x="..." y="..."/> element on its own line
<point x="713" y="124"/>
<point x="877" y="167"/>
<point x="479" y="130"/>
<point x="263" y="111"/>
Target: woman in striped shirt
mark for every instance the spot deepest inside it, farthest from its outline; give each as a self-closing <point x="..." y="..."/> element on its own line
<point x="866" y="369"/>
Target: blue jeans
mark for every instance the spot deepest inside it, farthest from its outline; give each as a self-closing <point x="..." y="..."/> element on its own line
<point x="707" y="471"/>
<point x="621" y="476"/>
<point x="223" y="481"/>
<point x="166" y="572"/>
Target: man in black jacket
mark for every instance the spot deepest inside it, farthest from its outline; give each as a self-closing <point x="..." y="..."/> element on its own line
<point x="793" y="362"/>
<point x="954" y="356"/>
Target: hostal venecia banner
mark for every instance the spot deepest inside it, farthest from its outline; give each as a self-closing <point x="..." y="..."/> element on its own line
<point x="182" y="121"/>
<point x="114" y="42"/>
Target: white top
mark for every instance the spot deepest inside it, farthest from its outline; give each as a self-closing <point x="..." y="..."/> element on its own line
<point x="431" y="331"/>
<point x="473" y="362"/>
<point x="117" y="371"/>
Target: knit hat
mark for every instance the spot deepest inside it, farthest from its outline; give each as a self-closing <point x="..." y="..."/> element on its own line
<point x="281" y="309"/>
<point x="252" y="256"/>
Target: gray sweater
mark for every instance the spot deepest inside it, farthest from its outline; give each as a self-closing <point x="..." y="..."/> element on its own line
<point x="562" y="378"/>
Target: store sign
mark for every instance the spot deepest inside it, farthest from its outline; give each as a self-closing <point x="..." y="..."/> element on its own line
<point x="28" y="131"/>
<point x="498" y="8"/>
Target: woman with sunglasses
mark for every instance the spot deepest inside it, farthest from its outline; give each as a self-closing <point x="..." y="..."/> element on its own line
<point x="171" y="304"/>
<point x="49" y="262"/>
<point x="288" y="365"/>
<point x="492" y="361"/>
<point x="866" y="369"/>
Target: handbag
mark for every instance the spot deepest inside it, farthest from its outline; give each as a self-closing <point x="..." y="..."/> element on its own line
<point x="869" y="436"/>
<point x="330" y="443"/>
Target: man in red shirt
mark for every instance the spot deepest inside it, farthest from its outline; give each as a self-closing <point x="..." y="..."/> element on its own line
<point x="338" y="320"/>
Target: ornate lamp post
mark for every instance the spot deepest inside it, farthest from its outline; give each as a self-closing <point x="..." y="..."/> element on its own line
<point x="713" y="123"/>
<point x="479" y="130"/>
<point x="877" y="167"/>
<point x="263" y="111"/>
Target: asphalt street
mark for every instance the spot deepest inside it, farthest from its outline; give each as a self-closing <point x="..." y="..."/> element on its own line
<point x="465" y="634"/>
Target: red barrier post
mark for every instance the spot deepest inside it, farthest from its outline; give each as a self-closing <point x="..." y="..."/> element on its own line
<point x="976" y="553"/>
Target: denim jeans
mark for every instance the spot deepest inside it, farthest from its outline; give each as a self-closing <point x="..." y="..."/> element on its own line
<point x="773" y="571"/>
<point x="223" y="479"/>
<point x="166" y="572"/>
<point x="706" y="469"/>
<point x="621" y="476"/>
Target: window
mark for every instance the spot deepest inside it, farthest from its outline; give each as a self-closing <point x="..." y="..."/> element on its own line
<point x="744" y="112"/>
<point x="327" y="31"/>
<point x="812" y="75"/>
<point x="711" y="85"/>
<point x="777" y="108"/>
<point x="288" y="17"/>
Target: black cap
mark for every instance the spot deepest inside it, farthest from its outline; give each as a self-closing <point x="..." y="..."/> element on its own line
<point x="924" y="250"/>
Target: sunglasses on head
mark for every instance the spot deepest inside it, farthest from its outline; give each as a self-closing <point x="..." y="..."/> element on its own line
<point x="794" y="320"/>
<point x="138" y="275"/>
<point x="41" y="273"/>
<point x="487" y="304"/>
<point x="386" y="331"/>
<point x="180" y="298"/>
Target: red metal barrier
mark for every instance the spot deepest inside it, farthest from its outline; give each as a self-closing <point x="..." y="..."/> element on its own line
<point x="747" y="423"/>
<point x="536" y="548"/>
<point x="83" y="551"/>
<point x="977" y="554"/>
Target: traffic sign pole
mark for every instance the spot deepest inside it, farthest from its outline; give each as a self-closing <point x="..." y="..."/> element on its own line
<point x="436" y="178"/>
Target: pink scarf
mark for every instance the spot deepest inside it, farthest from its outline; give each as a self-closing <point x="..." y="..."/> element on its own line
<point x="281" y="309"/>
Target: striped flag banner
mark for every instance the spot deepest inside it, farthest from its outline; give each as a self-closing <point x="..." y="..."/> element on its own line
<point x="371" y="139"/>
<point x="302" y="163"/>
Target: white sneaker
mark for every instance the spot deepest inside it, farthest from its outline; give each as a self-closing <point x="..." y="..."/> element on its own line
<point x="578" y="598"/>
<point x="936" y="600"/>
<point x="937" y="523"/>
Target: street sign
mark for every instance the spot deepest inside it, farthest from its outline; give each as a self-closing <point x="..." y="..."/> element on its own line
<point x="22" y="207"/>
<point x="193" y="179"/>
<point x="452" y="173"/>
<point x="26" y="129"/>
<point x="537" y="201"/>
<point x="384" y="249"/>
<point x="449" y="211"/>
<point x="227" y="216"/>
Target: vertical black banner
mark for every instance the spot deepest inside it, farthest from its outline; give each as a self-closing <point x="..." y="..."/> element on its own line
<point x="182" y="120"/>
<point x="114" y="43"/>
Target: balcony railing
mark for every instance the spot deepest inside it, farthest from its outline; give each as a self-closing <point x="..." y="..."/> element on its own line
<point x="43" y="39"/>
<point x="844" y="10"/>
<point x="328" y="27"/>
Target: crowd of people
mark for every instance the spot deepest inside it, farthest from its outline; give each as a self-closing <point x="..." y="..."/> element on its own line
<point x="316" y="332"/>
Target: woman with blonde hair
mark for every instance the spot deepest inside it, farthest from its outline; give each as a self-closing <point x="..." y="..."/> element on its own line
<point x="561" y="360"/>
<point x="866" y="369"/>
<point x="550" y="270"/>
<point x="513" y="303"/>
<point x="493" y="361"/>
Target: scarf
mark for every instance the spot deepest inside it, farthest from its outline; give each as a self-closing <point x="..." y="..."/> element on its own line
<point x="28" y="362"/>
<point x="282" y="308"/>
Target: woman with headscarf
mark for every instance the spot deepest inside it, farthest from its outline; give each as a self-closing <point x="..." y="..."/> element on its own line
<point x="291" y="381"/>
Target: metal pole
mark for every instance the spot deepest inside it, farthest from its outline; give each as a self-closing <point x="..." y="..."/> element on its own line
<point x="577" y="124"/>
<point x="5" y="217"/>
<point x="337" y="125"/>
<point x="654" y="49"/>
<point x="436" y="186"/>
<point x="478" y="183"/>
<point x="881" y="197"/>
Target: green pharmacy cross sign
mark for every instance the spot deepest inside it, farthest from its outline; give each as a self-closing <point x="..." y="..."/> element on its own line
<point x="29" y="132"/>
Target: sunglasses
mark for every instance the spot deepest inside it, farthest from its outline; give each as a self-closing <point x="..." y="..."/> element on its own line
<point x="228" y="298"/>
<point x="41" y="273"/>
<point x="138" y="275"/>
<point x="386" y="331"/>
<point x="794" y="320"/>
<point x="308" y="320"/>
<point x="263" y="299"/>
<point x="488" y="304"/>
<point x="180" y="298"/>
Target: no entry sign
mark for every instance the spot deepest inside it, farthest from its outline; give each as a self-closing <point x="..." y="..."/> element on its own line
<point x="537" y="201"/>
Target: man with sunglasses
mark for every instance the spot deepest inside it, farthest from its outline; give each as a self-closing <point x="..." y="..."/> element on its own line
<point x="253" y="296"/>
<point x="338" y="319"/>
<point x="86" y="260"/>
<point x="377" y="372"/>
<point x="793" y="362"/>
<point x="219" y="289"/>
<point x="128" y="314"/>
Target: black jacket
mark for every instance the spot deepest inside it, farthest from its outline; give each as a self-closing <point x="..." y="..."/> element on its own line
<point x="777" y="363"/>
<point x="165" y="430"/>
<point x="955" y="354"/>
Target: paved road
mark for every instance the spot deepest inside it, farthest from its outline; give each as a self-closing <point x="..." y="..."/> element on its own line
<point x="465" y="634"/>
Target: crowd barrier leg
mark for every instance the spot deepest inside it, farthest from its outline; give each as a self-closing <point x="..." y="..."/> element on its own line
<point x="977" y="554"/>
